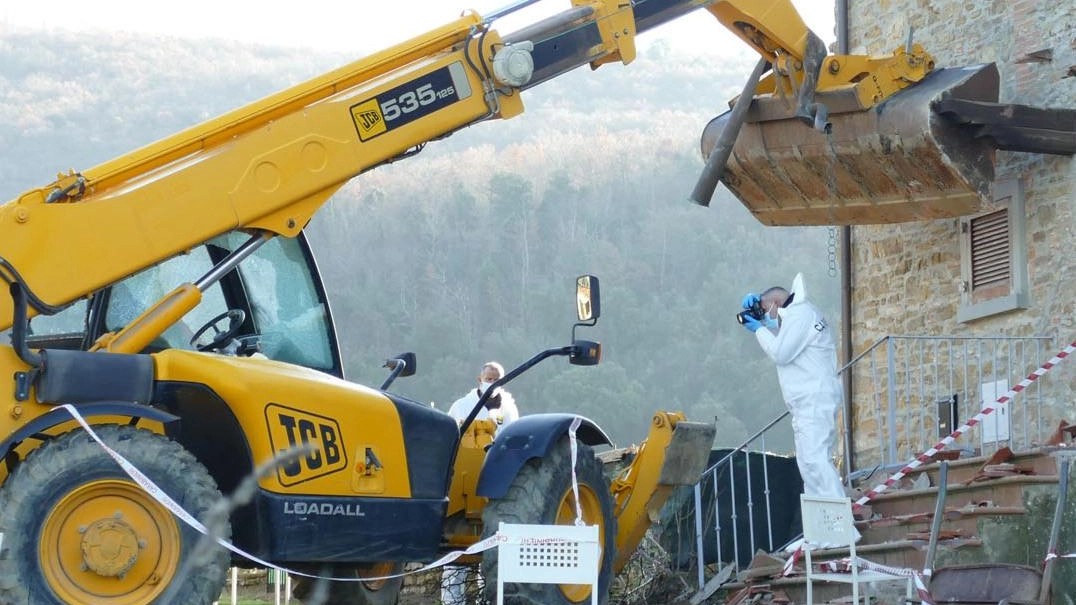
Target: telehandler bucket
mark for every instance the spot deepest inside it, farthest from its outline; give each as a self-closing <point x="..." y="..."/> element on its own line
<point x="686" y="456"/>
<point x="896" y="162"/>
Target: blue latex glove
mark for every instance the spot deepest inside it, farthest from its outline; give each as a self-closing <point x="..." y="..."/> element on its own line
<point x="749" y="300"/>
<point x="751" y="324"/>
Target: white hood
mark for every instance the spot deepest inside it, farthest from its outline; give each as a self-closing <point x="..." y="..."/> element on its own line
<point x="798" y="289"/>
<point x="799" y="292"/>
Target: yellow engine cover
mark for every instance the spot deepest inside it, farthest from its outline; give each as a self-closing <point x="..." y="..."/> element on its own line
<point x="352" y="435"/>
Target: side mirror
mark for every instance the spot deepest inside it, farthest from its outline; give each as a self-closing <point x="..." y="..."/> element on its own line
<point x="587" y="308"/>
<point x="408" y="359"/>
<point x="587" y="298"/>
<point x="403" y="364"/>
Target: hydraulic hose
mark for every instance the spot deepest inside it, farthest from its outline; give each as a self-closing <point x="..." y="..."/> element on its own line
<point x="18" y="327"/>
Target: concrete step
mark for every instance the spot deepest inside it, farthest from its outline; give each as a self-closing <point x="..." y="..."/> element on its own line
<point x="795" y="589"/>
<point x="904" y="554"/>
<point x="965" y="521"/>
<point x="963" y="469"/>
<point x="896" y="553"/>
<point x="1003" y="491"/>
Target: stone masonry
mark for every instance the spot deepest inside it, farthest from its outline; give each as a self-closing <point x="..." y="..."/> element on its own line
<point x="906" y="278"/>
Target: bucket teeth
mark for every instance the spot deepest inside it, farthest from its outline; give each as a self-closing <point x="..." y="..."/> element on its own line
<point x="900" y="161"/>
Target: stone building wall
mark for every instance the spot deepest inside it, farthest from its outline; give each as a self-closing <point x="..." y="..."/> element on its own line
<point x="907" y="278"/>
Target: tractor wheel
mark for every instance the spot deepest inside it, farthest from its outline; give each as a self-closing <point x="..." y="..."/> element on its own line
<point x="376" y="592"/>
<point x="542" y="494"/>
<point x="78" y="531"/>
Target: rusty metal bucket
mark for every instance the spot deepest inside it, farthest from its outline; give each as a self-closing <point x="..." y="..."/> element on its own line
<point x="897" y="162"/>
<point x="986" y="584"/>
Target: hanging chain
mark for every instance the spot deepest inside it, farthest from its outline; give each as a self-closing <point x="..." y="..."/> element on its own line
<point x="831" y="251"/>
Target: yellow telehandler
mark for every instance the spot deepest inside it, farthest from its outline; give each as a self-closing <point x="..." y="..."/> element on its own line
<point x="198" y="344"/>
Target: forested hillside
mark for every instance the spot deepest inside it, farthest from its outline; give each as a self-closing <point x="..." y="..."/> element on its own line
<point x="467" y="252"/>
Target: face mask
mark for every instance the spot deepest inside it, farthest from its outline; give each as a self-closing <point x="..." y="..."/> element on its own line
<point x="770" y="322"/>
<point x="482" y="386"/>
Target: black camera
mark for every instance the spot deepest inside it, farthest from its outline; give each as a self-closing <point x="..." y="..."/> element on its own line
<point x="755" y="311"/>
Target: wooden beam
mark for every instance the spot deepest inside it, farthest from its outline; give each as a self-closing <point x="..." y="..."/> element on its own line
<point x="1014" y="127"/>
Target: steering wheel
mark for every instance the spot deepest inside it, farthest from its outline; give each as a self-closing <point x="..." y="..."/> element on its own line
<point x="235" y="318"/>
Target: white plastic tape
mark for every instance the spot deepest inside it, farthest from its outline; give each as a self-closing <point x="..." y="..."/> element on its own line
<point x="575" y="483"/>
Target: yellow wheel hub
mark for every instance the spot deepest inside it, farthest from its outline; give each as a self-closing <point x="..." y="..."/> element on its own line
<point x="590" y="506"/>
<point x="109" y="543"/>
<point x="109" y="547"/>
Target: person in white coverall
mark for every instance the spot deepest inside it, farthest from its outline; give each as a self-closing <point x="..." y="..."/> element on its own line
<point x="797" y="338"/>
<point x="501" y="408"/>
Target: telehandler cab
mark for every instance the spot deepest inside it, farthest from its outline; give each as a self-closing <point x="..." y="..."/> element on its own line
<point x="182" y="315"/>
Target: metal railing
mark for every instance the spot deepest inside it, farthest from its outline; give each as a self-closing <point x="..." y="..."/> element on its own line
<point x="907" y="392"/>
<point x="732" y="485"/>
<point x="911" y="390"/>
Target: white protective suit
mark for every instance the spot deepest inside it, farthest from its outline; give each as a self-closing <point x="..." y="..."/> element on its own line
<point x="504" y="414"/>
<point x="454" y="577"/>
<point x="806" y="359"/>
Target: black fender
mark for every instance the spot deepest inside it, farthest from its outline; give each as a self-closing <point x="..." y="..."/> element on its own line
<point x="529" y="437"/>
<point x="57" y="416"/>
<point x="212" y="434"/>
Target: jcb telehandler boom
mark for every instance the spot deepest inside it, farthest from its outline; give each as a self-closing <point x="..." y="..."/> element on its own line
<point x="204" y="228"/>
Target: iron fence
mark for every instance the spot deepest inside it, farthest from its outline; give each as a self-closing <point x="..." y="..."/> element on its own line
<point x="909" y="391"/>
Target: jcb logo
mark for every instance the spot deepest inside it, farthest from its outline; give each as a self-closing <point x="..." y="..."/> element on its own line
<point x="319" y="436"/>
<point x="369" y="121"/>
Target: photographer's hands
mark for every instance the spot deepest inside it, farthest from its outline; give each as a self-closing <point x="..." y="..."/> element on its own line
<point x="751" y="324"/>
<point x="754" y="316"/>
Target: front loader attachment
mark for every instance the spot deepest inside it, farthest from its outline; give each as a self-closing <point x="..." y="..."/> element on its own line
<point x="674" y="454"/>
<point x="896" y="162"/>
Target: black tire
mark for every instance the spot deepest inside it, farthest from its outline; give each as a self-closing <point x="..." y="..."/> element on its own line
<point x="322" y="592"/>
<point x="69" y="502"/>
<point x="535" y="496"/>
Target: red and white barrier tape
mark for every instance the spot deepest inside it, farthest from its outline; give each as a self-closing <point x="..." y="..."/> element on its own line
<point x="1054" y="555"/>
<point x="166" y="501"/>
<point x="941" y="445"/>
<point x="845" y="566"/>
<point x="790" y="562"/>
<point x="921" y="590"/>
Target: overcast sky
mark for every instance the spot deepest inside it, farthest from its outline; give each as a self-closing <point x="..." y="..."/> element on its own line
<point x="362" y="26"/>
